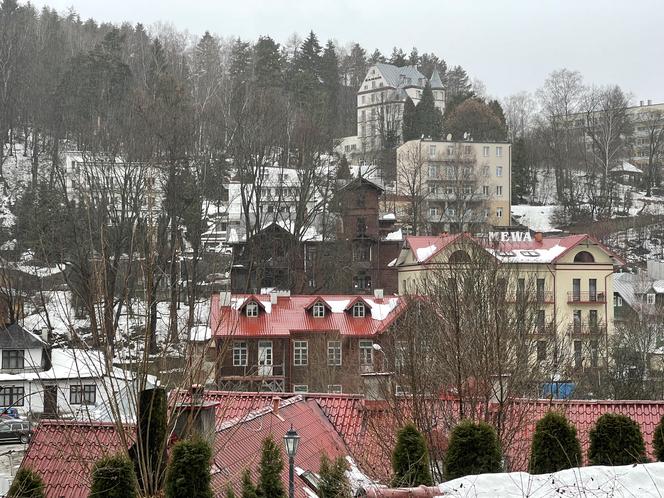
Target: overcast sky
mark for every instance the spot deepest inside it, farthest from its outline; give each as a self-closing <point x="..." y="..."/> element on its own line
<point x="511" y="45"/>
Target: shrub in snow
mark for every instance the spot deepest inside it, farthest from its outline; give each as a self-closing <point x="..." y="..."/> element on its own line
<point x="616" y="440"/>
<point x="114" y="477"/>
<point x="555" y="445"/>
<point x="658" y="441"/>
<point x="188" y="473"/>
<point x="333" y="480"/>
<point x="473" y="449"/>
<point x="27" y="484"/>
<point x="410" y="459"/>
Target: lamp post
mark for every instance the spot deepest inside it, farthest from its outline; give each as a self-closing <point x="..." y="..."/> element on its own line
<point x="291" y="441"/>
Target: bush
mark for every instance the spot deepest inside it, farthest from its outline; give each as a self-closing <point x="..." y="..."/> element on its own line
<point x="555" y="445"/>
<point x="27" y="484"/>
<point x="188" y="473"/>
<point x="616" y="440"/>
<point x="248" y="488"/>
<point x="114" y="477"/>
<point x="149" y="451"/>
<point x="269" y="481"/>
<point x="333" y="480"/>
<point x="473" y="449"/>
<point x="410" y="459"/>
<point x="658" y="441"/>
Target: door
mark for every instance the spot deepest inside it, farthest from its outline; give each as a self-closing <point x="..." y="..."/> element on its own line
<point x="592" y="289"/>
<point x="50" y="401"/>
<point x="576" y="289"/>
<point x="265" y="358"/>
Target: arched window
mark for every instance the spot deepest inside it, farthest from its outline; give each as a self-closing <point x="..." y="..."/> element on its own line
<point x="459" y="257"/>
<point x="584" y="257"/>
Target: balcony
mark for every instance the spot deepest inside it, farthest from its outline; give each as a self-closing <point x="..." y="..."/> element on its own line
<point x="586" y="297"/>
<point x="585" y="329"/>
<point x="540" y="297"/>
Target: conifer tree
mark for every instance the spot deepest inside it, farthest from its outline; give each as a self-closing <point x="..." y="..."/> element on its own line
<point x="473" y="449"/>
<point x="658" y="440"/>
<point x="333" y="480"/>
<point x="229" y="492"/>
<point x="428" y="118"/>
<point x="555" y="445"/>
<point x="409" y="129"/>
<point x="376" y="57"/>
<point x="188" y="474"/>
<point x="343" y="170"/>
<point x="114" y="477"/>
<point x="398" y="57"/>
<point x="268" y="63"/>
<point x="248" y="488"/>
<point x="271" y="465"/>
<point x="410" y="459"/>
<point x="149" y="451"/>
<point x="521" y="172"/>
<point x="616" y="440"/>
<point x="27" y="484"/>
<point x="331" y="86"/>
<point x="357" y="65"/>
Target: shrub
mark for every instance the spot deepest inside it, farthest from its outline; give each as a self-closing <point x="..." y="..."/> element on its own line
<point x="658" y="441"/>
<point x="555" y="445"/>
<point x="149" y="451"/>
<point x="333" y="480"/>
<point x="188" y="473"/>
<point x="114" y="477"/>
<point x="473" y="449"/>
<point x="410" y="459"/>
<point x="27" y="484"/>
<point x="616" y="440"/>
<point x="248" y="488"/>
<point x="269" y="480"/>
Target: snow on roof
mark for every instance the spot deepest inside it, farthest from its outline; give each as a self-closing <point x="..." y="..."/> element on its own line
<point x="389" y="217"/>
<point x="392" y="263"/>
<point x="396" y="235"/>
<point x="200" y="333"/>
<point x="65" y="364"/>
<point x="626" y="167"/>
<point x="424" y="253"/>
<point x="537" y="218"/>
<point x="536" y="255"/>
<point x="658" y="286"/>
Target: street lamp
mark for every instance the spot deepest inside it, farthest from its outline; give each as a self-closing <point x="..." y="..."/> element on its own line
<point x="291" y="441"/>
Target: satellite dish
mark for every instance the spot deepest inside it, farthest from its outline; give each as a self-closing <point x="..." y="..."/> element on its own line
<point x="449" y="137"/>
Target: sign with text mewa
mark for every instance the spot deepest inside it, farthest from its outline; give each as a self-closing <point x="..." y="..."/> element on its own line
<point x="510" y="237"/>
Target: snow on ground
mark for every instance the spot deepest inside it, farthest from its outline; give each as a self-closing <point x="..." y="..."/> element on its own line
<point x="536" y="218"/>
<point x="624" y="481"/>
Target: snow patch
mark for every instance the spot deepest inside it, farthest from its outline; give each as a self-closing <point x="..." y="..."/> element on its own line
<point x="397" y="235"/>
<point x="424" y="253"/>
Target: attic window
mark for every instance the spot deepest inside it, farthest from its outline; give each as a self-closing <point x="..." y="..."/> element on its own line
<point x="312" y="480"/>
<point x="530" y="254"/>
<point x="359" y="310"/>
<point x="251" y="309"/>
<point x="319" y="310"/>
<point x="507" y="254"/>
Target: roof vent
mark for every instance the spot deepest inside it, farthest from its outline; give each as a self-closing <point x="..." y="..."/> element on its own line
<point x="273" y="297"/>
<point x="378" y="293"/>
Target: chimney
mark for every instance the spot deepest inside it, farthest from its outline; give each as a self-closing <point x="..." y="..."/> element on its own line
<point x="378" y="293"/>
<point x="196" y="391"/>
<point x="276" y="401"/>
<point x="539" y="237"/>
<point x="224" y="299"/>
<point x="273" y="296"/>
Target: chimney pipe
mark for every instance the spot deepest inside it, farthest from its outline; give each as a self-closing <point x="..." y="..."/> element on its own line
<point x="276" y="401"/>
<point x="538" y="237"/>
<point x="378" y="293"/>
<point x="273" y="297"/>
<point x="224" y="299"/>
<point x="197" y="391"/>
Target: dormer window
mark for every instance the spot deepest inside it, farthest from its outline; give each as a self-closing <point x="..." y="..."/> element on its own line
<point x="251" y="309"/>
<point x="359" y="310"/>
<point x="319" y="310"/>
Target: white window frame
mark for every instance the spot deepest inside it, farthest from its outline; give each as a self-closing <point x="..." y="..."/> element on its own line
<point x="366" y="353"/>
<point x="499" y="212"/>
<point x="300" y="353"/>
<point x="433" y="211"/>
<point x="499" y="190"/>
<point x="251" y="309"/>
<point x="499" y="152"/>
<point x="334" y="359"/>
<point x="650" y="298"/>
<point x="318" y="310"/>
<point x="432" y="151"/>
<point x="617" y="301"/>
<point x="400" y="352"/>
<point x="499" y="171"/>
<point x="334" y="389"/>
<point x="486" y="150"/>
<point x="485" y="190"/>
<point x="240" y="353"/>
<point x="301" y="388"/>
<point x="359" y="310"/>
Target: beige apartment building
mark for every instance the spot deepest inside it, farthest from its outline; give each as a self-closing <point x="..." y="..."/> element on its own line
<point x="455" y="186"/>
<point x="570" y="278"/>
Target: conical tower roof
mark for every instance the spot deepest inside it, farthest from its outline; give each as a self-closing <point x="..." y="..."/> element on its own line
<point x="435" y="81"/>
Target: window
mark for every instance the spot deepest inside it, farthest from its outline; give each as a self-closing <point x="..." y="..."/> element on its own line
<point x="499" y="171"/>
<point x="592" y="320"/>
<point x="366" y="354"/>
<point x="12" y="396"/>
<point x="485" y="171"/>
<point x="450" y="150"/>
<point x="617" y="301"/>
<point x="499" y="152"/>
<point x="300" y="353"/>
<point x="363" y="99"/>
<point x="240" y="354"/>
<point x="576" y="321"/>
<point x="83" y="395"/>
<point x="499" y="213"/>
<point x="485" y="190"/>
<point x="540" y="289"/>
<point x="433" y="171"/>
<point x="467" y="149"/>
<point x="362" y="252"/>
<point x="485" y="151"/>
<point x="319" y="310"/>
<point x="578" y="353"/>
<point x="541" y="350"/>
<point x="251" y="309"/>
<point x="334" y="389"/>
<point x="650" y="299"/>
<point x="359" y="310"/>
<point x="361" y="226"/>
<point x="433" y="211"/>
<point x="300" y="388"/>
<point x="499" y="190"/>
<point x="592" y="289"/>
<point x="400" y="352"/>
<point x="541" y="320"/>
<point x="432" y="151"/>
<point x="594" y="353"/>
<point x="334" y="353"/>
<point x="13" y="359"/>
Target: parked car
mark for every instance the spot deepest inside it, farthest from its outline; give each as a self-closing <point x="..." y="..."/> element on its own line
<point x="11" y="431"/>
<point x="10" y="412"/>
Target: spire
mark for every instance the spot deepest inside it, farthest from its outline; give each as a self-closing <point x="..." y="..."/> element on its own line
<point x="435" y="81"/>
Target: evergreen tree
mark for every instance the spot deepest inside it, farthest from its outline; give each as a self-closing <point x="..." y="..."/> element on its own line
<point x="616" y="440"/>
<point x="268" y="63"/>
<point x="408" y="125"/>
<point x="333" y="480"/>
<point x="248" y="488"/>
<point x="114" y="477"/>
<point x="410" y="459"/>
<point x="429" y="62"/>
<point x="269" y="482"/>
<point x="331" y="86"/>
<point x="658" y="441"/>
<point x="473" y="449"/>
<point x="343" y="171"/>
<point x="229" y="492"/>
<point x="188" y="474"/>
<point x="521" y="174"/>
<point x="26" y="484"/>
<point x="376" y="57"/>
<point x="477" y="118"/>
<point x="414" y="57"/>
<point x="457" y="86"/>
<point x="305" y="73"/>
<point x="398" y="57"/>
<point x="497" y="110"/>
<point x="555" y="445"/>
<point x="357" y="65"/>
<point x="428" y="118"/>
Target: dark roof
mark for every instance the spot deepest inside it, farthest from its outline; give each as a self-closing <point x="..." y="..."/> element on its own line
<point x="16" y="337"/>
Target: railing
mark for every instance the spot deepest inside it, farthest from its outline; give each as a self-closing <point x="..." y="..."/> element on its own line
<point x="253" y="371"/>
<point x="586" y="297"/>
<point x="543" y="297"/>
<point x="586" y="328"/>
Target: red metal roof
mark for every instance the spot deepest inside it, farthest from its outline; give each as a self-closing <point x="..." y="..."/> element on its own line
<point x="290" y="314"/>
<point x="64" y="452"/>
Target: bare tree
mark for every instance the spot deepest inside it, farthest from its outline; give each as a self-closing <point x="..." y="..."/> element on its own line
<point x="653" y="126"/>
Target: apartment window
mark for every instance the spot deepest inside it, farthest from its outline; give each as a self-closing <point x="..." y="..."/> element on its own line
<point x="540" y="289"/>
<point x="300" y="388"/>
<point x="467" y="149"/>
<point x="592" y="319"/>
<point x="450" y="211"/>
<point x="13" y="359"/>
<point x="485" y="190"/>
<point x="650" y="299"/>
<point x="83" y="395"/>
<point x="432" y="151"/>
<point x="359" y="310"/>
<point x="592" y="289"/>
<point x="485" y="171"/>
<point x="467" y="189"/>
<point x="449" y="190"/>
<point x="240" y="354"/>
<point x="319" y="310"/>
<point x="578" y="354"/>
<point x="373" y="98"/>
<point x="499" y="190"/>
<point x="433" y="211"/>
<point x="594" y="354"/>
<point x="499" y="171"/>
<point x="541" y="350"/>
<point x="576" y="321"/>
<point x="450" y="150"/>
<point x="433" y="171"/>
<point x="251" y="309"/>
<point x="499" y="152"/>
<point x="486" y="212"/>
<point x="334" y="353"/>
<point x="361" y="226"/>
<point x="12" y="396"/>
<point x="334" y="389"/>
<point x="485" y="151"/>
<point x="617" y="301"/>
<point x="300" y="353"/>
<point x="499" y="213"/>
<point x="366" y="353"/>
<point x="363" y="99"/>
<point x="433" y="189"/>
<point x="541" y="320"/>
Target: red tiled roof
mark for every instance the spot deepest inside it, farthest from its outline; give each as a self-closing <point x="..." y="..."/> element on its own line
<point x="290" y="315"/>
<point x="425" y="247"/>
<point x="64" y="452"/>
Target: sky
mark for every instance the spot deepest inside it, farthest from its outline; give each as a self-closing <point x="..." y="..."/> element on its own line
<point x="511" y="45"/>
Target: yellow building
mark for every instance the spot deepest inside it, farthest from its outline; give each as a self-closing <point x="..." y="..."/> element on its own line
<point x="570" y="277"/>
